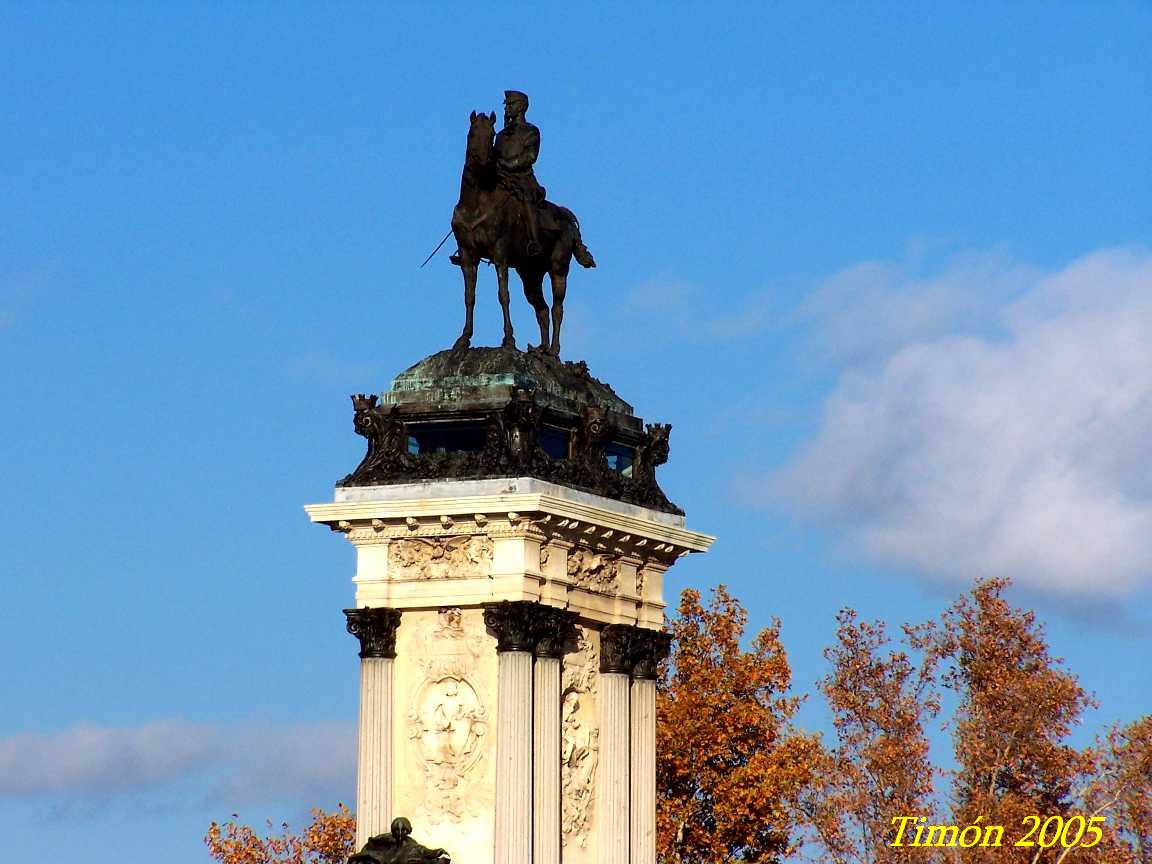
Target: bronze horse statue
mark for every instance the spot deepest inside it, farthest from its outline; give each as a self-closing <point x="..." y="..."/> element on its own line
<point x="488" y="224"/>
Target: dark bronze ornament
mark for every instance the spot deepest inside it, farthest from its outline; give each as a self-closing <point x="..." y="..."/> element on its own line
<point x="616" y="649"/>
<point x="398" y="847"/>
<point x="376" y="630"/>
<point x="525" y="625"/>
<point x="514" y="624"/>
<point x="503" y="217"/>
<point x="648" y="648"/>
<point x="630" y="650"/>
<point x="538" y="400"/>
<point x="555" y="632"/>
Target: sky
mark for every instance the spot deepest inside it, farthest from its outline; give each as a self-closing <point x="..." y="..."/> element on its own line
<point x="886" y="268"/>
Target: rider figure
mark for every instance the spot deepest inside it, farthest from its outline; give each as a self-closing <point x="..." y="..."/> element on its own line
<point x="517" y="147"/>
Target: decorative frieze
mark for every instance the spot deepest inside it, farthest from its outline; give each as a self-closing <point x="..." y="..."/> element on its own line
<point x="458" y="557"/>
<point x="594" y="571"/>
<point x="376" y="630"/>
<point x="596" y="550"/>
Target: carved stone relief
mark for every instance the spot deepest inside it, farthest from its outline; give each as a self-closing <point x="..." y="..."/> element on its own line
<point x="641" y="581"/>
<point x="448" y="718"/>
<point x="594" y="571"/>
<point x="580" y="742"/>
<point x="441" y="558"/>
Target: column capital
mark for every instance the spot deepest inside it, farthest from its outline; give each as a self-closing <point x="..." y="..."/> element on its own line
<point x="525" y="625"/>
<point x="375" y="627"/>
<point x="648" y="648"/>
<point x="615" y="649"/>
<point x="555" y="629"/>
<point x="513" y="622"/>
<point x="630" y="650"/>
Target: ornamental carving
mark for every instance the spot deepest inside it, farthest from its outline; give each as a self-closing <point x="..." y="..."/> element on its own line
<point x="641" y="581"/>
<point x="441" y="557"/>
<point x="555" y="629"/>
<point x="579" y="743"/>
<point x="647" y="649"/>
<point x="514" y="624"/>
<point x="594" y="571"/>
<point x="448" y="718"/>
<point x="510" y="446"/>
<point x="376" y="630"/>
<point x="616" y="648"/>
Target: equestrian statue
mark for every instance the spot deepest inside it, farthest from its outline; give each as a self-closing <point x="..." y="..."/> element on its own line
<point x="503" y="217"/>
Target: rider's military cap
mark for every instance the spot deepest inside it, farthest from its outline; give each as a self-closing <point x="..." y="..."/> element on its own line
<point x="513" y="96"/>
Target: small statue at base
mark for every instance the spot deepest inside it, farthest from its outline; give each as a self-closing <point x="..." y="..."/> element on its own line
<point x="398" y="847"/>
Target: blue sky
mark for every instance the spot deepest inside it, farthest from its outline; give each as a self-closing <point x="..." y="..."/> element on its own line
<point x="886" y="269"/>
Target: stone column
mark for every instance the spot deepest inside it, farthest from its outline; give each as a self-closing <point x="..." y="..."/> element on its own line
<point x="376" y="630"/>
<point x="513" y="624"/>
<point x="649" y="647"/>
<point x="555" y="629"/>
<point x="613" y="800"/>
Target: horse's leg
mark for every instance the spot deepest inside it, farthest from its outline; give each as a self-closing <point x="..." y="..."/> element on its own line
<point x="509" y="340"/>
<point x="534" y="290"/>
<point x="559" y="286"/>
<point x="468" y="268"/>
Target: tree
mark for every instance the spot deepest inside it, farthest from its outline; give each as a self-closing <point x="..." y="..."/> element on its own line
<point x="880" y="768"/>
<point x="329" y="839"/>
<point x="730" y="767"/>
<point x="1121" y="790"/>
<point x="1017" y="706"/>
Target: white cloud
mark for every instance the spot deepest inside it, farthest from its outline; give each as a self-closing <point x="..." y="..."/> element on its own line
<point x="1023" y="453"/>
<point x="95" y="759"/>
<point x="866" y="311"/>
<point x="240" y="764"/>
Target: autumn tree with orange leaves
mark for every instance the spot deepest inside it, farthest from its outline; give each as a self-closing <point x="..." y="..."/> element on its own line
<point x="879" y="767"/>
<point x="327" y="840"/>
<point x="1017" y="707"/>
<point x="730" y="767"/>
<point x="1121" y="790"/>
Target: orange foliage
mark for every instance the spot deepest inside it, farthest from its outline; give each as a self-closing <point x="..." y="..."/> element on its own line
<point x="1121" y="790"/>
<point x="880" y="768"/>
<point x="1017" y="706"/>
<point x="730" y="767"/>
<point x="328" y="839"/>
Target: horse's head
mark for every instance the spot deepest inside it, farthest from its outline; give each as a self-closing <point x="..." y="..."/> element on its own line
<point x="481" y="131"/>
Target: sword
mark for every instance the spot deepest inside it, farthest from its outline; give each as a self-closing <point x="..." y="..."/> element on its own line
<point x="437" y="249"/>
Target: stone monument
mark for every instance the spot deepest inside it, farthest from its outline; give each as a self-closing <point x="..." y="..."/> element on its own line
<point x="511" y="543"/>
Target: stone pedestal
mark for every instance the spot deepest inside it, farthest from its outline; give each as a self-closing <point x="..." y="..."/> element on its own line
<point x="509" y="636"/>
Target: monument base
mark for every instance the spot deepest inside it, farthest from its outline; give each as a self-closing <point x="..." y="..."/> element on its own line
<point x="510" y="632"/>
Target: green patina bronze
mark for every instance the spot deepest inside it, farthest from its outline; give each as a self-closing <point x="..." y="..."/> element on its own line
<point x="479" y="413"/>
<point x="482" y="377"/>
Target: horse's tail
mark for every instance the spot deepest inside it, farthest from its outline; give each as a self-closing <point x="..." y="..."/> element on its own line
<point x="579" y="250"/>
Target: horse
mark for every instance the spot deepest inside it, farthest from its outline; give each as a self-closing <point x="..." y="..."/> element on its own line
<point x="488" y="224"/>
